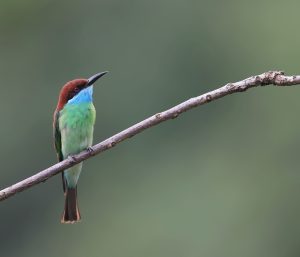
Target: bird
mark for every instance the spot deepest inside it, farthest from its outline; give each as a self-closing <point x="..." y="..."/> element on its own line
<point x="73" y="127"/>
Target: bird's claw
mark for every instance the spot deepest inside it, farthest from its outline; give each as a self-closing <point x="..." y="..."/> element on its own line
<point x="73" y="158"/>
<point x="90" y="150"/>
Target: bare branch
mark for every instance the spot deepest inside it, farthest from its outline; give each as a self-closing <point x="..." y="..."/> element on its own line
<point x="268" y="78"/>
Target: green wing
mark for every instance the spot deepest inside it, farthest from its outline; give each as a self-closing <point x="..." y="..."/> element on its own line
<point x="57" y="143"/>
<point x="57" y="137"/>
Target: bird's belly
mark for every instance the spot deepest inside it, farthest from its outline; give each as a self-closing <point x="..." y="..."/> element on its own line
<point x="77" y="125"/>
<point x="76" y="140"/>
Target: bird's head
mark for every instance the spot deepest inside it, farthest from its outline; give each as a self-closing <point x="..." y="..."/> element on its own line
<point x="74" y="87"/>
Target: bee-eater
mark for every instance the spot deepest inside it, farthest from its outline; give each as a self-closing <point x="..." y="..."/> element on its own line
<point x="73" y="127"/>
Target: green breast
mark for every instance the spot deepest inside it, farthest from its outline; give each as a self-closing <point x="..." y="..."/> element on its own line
<point x="76" y="124"/>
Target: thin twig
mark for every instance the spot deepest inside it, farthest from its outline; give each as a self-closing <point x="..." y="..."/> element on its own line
<point x="268" y="78"/>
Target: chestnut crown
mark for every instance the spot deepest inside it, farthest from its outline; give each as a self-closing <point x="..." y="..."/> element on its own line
<point x="73" y="87"/>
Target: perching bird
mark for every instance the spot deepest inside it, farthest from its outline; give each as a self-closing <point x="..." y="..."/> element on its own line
<point x="73" y="128"/>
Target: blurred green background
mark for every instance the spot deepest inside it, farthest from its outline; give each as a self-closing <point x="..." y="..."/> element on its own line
<point x="221" y="180"/>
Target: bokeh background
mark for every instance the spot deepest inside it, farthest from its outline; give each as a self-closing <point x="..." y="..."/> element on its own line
<point x="221" y="180"/>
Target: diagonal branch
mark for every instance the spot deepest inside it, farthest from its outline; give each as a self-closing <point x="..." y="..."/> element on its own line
<point x="268" y="78"/>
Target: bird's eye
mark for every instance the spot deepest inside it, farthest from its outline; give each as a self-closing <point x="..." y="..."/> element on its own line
<point x="76" y="90"/>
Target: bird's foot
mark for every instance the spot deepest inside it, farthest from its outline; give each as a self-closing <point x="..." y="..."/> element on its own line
<point x="90" y="150"/>
<point x="73" y="158"/>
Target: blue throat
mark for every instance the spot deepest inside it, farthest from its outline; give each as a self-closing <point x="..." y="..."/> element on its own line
<point x="84" y="96"/>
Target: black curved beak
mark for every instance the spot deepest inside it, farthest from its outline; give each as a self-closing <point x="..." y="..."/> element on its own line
<point x="94" y="78"/>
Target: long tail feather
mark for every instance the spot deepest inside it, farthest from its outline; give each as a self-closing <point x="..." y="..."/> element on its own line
<point x="71" y="213"/>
